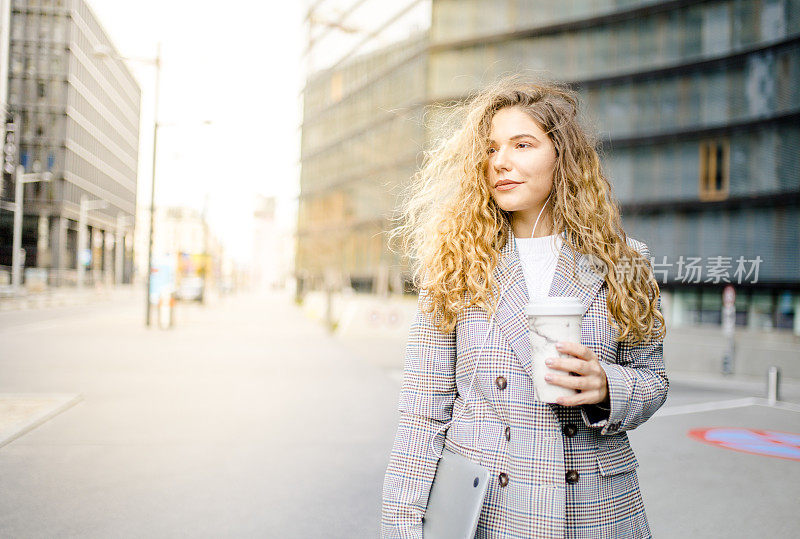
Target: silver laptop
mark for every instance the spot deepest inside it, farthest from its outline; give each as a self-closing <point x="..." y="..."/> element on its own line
<point x="454" y="505"/>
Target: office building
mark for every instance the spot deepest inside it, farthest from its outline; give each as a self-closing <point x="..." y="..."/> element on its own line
<point x="361" y="136"/>
<point x="75" y="114"/>
<point x="697" y="107"/>
<point x="273" y="246"/>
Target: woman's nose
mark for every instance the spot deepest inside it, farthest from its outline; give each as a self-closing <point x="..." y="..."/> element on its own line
<point x="501" y="160"/>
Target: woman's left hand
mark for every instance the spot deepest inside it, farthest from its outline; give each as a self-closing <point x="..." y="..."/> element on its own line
<point x="591" y="381"/>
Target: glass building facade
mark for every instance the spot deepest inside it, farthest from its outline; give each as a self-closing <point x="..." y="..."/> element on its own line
<point x="77" y="117"/>
<point x="361" y="136"/>
<point x="696" y="104"/>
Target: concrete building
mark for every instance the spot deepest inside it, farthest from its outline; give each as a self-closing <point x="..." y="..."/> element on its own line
<point x="5" y="43"/>
<point x="697" y="106"/>
<point x="180" y="229"/>
<point x="361" y="135"/>
<point x="182" y="238"/>
<point x="273" y="247"/>
<point x="76" y="116"/>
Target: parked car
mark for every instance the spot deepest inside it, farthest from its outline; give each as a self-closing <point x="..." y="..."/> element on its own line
<point x="190" y="289"/>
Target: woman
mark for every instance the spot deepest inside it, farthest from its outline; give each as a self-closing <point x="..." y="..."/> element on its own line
<point x="515" y="202"/>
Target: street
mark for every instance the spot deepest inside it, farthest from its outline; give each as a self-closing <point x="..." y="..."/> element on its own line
<point x="248" y="420"/>
<point x="245" y="420"/>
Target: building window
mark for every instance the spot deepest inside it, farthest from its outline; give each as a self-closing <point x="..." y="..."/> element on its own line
<point x="41" y="89"/>
<point x="714" y="169"/>
<point x="786" y="303"/>
<point x="761" y="310"/>
<point x="16" y="63"/>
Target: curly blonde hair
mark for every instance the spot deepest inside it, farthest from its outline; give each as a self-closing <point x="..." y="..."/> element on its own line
<point x="452" y="229"/>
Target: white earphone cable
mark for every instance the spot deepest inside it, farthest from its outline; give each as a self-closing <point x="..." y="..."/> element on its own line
<point x="478" y="357"/>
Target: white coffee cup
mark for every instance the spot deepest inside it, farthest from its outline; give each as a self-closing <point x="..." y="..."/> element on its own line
<point x="552" y="320"/>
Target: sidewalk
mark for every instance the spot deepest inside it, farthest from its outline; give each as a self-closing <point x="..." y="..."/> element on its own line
<point x="387" y="350"/>
<point x="67" y="296"/>
<point x="789" y="388"/>
<point x="244" y="420"/>
<point x="247" y="420"/>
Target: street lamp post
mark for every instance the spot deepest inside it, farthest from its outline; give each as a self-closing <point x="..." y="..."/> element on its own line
<point x="156" y="62"/>
<point x="153" y="187"/>
<point x="20" y="179"/>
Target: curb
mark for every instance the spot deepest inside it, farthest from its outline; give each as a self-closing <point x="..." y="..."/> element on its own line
<point x="729" y="381"/>
<point x="63" y="402"/>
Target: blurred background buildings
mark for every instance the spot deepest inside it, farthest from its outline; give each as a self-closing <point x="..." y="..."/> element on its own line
<point x="72" y="109"/>
<point x="273" y="247"/>
<point x="696" y="103"/>
<point x="75" y="115"/>
<point x="361" y="136"/>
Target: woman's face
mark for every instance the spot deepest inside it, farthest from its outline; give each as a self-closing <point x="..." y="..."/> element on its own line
<point x="522" y="159"/>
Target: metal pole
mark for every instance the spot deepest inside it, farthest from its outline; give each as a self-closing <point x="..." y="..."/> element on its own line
<point x="729" y="328"/>
<point x="773" y="385"/>
<point x="206" y="265"/>
<point x="81" y="241"/>
<point x="5" y="42"/>
<point x="153" y="188"/>
<point x="118" y="251"/>
<point x="16" y="259"/>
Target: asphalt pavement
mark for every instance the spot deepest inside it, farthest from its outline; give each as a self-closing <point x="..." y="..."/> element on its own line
<point x="248" y="420"/>
<point x="244" y="420"/>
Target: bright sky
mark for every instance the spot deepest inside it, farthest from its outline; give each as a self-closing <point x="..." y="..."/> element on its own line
<point x="236" y="63"/>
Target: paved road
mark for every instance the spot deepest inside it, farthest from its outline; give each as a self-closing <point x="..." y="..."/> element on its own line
<point x="246" y="420"/>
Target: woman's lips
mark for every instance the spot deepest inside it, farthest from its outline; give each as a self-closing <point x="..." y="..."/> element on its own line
<point x="506" y="186"/>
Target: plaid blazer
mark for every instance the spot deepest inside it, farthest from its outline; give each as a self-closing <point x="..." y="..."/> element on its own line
<point x="540" y="449"/>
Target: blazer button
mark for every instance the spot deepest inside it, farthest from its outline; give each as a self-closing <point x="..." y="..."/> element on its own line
<point x="572" y="477"/>
<point x="501" y="382"/>
<point x="569" y="430"/>
<point x="503" y="479"/>
<point x="508" y="434"/>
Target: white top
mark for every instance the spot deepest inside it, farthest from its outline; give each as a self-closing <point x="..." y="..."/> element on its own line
<point x="539" y="257"/>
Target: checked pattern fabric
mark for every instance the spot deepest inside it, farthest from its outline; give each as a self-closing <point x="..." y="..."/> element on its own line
<point x="556" y="471"/>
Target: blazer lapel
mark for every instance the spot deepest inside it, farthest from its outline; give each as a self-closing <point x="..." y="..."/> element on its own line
<point x="576" y="275"/>
<point x="510" y="316"/>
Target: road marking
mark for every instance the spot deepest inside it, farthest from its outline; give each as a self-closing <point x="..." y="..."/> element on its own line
<point x="723" y="405"/>
<point x="768" y="443"/>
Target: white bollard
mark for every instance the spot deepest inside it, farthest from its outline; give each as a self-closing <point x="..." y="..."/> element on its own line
<point x="165" y="310"/>
<point x="773" y="383"/>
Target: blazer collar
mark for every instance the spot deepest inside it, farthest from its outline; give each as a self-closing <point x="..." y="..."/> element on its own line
<point x="574" y="276"/>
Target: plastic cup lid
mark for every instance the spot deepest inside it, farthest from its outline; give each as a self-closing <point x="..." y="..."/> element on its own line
<point x="556" y="306"/>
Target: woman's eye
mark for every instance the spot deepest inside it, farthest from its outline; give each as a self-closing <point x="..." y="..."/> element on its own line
<point x="523" y="145"/>
<point x="491" y="151"/>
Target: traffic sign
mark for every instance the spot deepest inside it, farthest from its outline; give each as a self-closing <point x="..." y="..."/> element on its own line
<point x="729" y="296"/>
